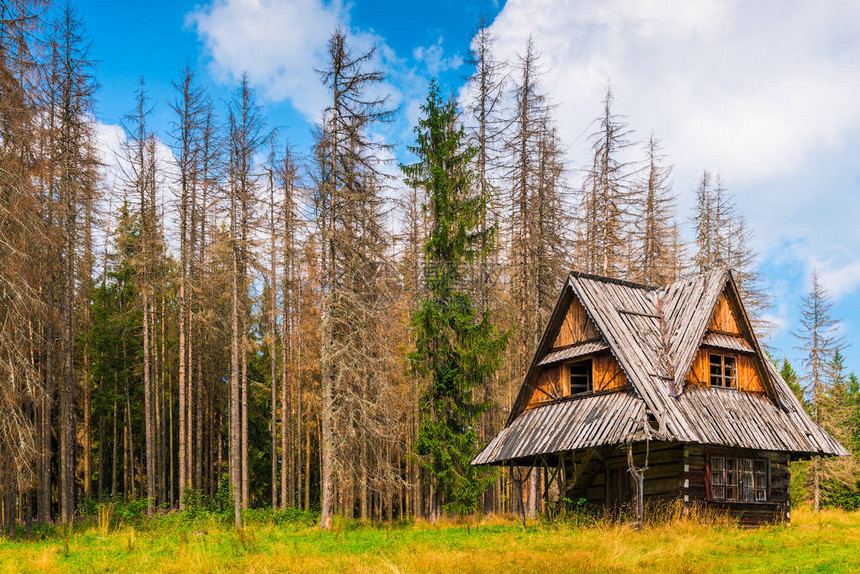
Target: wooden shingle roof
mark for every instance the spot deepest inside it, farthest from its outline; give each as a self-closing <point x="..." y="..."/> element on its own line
<point x="654" y="334"/>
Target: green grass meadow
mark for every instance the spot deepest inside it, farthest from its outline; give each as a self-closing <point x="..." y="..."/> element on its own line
<point x="290" y="542"/>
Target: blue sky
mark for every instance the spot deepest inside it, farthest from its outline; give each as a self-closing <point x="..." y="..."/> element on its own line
<point x="764" y="93"/>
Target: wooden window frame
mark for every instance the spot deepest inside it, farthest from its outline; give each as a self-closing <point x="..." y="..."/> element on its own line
<point x="723" y="356"/>
<point x="589" y="375"/>
<point x="757" y="461"/>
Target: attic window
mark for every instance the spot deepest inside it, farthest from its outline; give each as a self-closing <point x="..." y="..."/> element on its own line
<point x="724" y="371"/>
<point x="737" y="479"/>
<point x="579" y="377"/>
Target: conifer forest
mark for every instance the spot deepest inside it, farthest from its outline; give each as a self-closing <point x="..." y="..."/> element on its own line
<point x="231" y="321"/>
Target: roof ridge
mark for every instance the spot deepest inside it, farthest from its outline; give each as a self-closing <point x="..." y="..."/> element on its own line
<point x="691" y="278"/>
<point x="604" y="279"/>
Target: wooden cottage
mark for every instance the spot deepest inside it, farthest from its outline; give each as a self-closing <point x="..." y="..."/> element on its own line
<point x="637" y="392"/>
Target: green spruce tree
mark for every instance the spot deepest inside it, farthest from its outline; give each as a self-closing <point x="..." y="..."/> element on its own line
<point x="854" y="417"/>
<point x="789" y="375"/>
<point x="456" y="348"/>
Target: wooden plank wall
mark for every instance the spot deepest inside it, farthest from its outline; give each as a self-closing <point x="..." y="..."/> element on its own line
<point x="606" y="373"/>
<point x="747" y="376"/>
<point x="723" y="320"/>
<point x="552" y="381"/>
<point x="748" y="379"/>
<point x="550" y="385"/>
<point x="577" y="326"/>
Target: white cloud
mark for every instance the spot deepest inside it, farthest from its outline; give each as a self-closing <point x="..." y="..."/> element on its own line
<point x="116" y="172"/>
<point x="753" y="88"/>
<point x="280" y="45"/>
<point x="764" y="92"/>
<point x="840" y="278"/>
<point x="277" y="43"/>
<point x="433" y="58"/>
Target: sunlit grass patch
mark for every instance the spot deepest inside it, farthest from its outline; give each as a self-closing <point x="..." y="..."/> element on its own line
<point x="828" y="541"/>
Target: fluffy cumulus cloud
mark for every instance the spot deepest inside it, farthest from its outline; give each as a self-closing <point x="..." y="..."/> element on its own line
<point x="751" y="87"/>
<point x="282" y="44"/>
<point x="764" y="92"/>
<point x="433" y="58"/>
<point x="278" y="43"/>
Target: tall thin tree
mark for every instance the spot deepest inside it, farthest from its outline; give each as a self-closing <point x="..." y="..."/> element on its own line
<point x="819" y="341"/>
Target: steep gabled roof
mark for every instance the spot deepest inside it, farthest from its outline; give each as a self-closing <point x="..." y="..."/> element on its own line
<point x="581" y="422"/>
<point x="654" y="335"/>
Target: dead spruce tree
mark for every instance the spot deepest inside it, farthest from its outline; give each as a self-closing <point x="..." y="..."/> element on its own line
<point x="484" y="116"/>
<point x="536" y="248"/>
<point x="25" y="238"/>
<point x="349" y="212"/>
<point x="819" y="342"/>
<point x="523" y="145"/>
<point x="723" y="238"/>
<point x="287" y="178"/>
<point x="141" y="183"/>
<point x="606" y="192"/>
<point x="75" y="179"/>
<point x="244" y="140"/>
<point x="656" y="260"/>
<point x="189" y="115"/>
<point x="272" y="331"/>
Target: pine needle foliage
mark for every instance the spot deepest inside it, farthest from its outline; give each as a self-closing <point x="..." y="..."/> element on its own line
<point x="456" y="348"/>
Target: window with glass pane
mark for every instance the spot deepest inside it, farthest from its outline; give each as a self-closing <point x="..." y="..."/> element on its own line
<point x="716" y="371"/>
<point x="760" y="480"/>
<point x="731" y="479"/>
<point x="738" y="479"/>
<point x="747" y="483"/>
<point x="724" y="371"/>
<point x="717" y="484"/>
<point x="730" y="372"/>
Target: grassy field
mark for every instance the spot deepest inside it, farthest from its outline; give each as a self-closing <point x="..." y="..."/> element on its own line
<point x="828" y="542"/>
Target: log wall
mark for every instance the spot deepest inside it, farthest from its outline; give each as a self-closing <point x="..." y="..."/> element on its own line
<point x="677" y="471"/>
<point x="776" y="509"/>
<point x="607" y="481"/>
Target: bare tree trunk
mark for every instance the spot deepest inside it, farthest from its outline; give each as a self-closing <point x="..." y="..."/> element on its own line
<point x="67" y="397"/>
<point x="287" y="498"/>
<point x="638" y="477"/>
<point x="183" y="356"/>
<point x="273" y="334"/>
<point x="307" y="505"/>
<point x="113" y="478"/>
<point x="86" y="296"/>
<point x="326" y="375"/>
<point x="159" y="413"/>
<point x="146" y="175"/>
<point x="244" y="416"/>
<point x="171" y="456"/>
<point x="45" y="468"/>
<point x="101" y="451"/>
<point x="235" y="378"/>
<point x="298" y="380"/>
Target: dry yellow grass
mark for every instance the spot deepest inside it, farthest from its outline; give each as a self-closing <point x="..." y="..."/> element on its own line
<point x="824" y="542"/>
